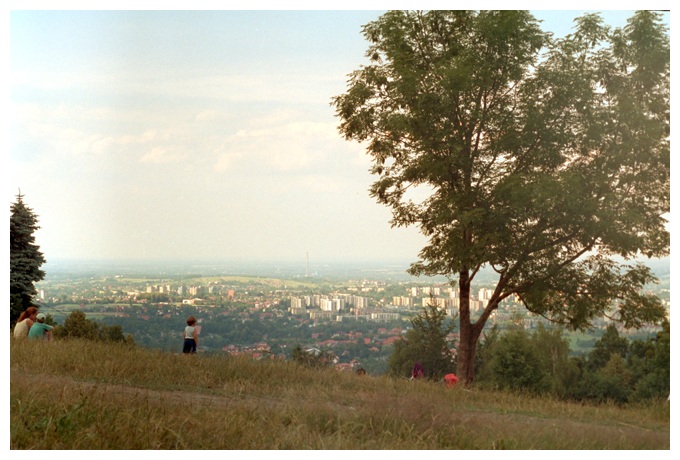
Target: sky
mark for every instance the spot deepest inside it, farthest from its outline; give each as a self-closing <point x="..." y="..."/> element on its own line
<point x="197" y="134"/>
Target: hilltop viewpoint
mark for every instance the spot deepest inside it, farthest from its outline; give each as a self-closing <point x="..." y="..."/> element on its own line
<point x="74" y="394"/>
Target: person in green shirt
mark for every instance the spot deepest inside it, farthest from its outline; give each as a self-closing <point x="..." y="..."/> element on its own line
<point x="40" y="330"/>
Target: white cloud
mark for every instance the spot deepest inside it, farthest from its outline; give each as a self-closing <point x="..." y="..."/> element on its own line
<point x="214" y="84"/>
<point x="213" y="116"/>
<point x="161" y="154"/>
<point x="122" y="151"/>
<point x="280" y="141"/>
<point x="226" y="160"/>
<point x="144" y="138"/>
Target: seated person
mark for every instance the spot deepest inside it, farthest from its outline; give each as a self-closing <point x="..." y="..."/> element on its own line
<point x="25" y="322"/>
<point x="39" y="329"/>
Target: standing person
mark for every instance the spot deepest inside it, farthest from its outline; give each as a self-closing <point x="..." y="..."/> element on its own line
<point x="25" y="322"/>
<point x="418" y="371"/>
<point x="40" y="330"/>
<point x="190" y="336"/>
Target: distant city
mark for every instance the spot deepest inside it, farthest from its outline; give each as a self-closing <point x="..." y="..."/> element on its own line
<point x="356" y="311"/>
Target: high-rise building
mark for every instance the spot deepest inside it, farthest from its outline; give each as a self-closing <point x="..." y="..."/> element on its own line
<point x="296" y="302"/>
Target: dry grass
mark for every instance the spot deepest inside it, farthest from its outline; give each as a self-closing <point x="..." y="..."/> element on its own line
<point x="84" y="395"/>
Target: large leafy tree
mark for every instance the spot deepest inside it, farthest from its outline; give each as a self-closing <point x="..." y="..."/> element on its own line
<point x="25" y="258"/>
<point x="545" y="159"/>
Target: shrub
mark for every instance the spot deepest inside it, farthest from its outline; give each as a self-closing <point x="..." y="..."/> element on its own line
<point x="76" y="325"/>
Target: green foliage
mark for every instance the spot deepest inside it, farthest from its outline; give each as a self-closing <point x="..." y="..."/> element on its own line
<point x="553" y="351"/>
<point x="481" y="126"/>
<point x="25" y="258"/>
<point x="515" y="363"/>
<point x="485" y="347"/>
<point x="312" y="358"/>
<point x="609" y="344"/>
<point x="611" y="383"/>
<point x="76" y="325"/>
<point x="614" y="371"/>
<point x="650" y="363"/>
<point x="426" y="342"/>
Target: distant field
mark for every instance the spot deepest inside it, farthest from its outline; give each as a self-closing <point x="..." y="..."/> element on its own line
<point x="60" y="312"/>
<point x="274" y="282"/>
<point x="581" y="342"/>
<point x="205" y="280"/>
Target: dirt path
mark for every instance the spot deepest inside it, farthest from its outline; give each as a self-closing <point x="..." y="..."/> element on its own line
<point x="506" y="425"/>
<point x="175" y="397"/>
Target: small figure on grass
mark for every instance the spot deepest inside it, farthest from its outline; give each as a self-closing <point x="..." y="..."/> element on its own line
<point x="418" y="371"/>
<point x="190" y="336"/>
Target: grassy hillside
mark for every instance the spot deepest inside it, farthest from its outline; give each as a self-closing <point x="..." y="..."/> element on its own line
<point x="86" y="395"/>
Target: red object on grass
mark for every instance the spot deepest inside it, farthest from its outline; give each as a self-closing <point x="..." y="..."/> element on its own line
<point x="450" y="380"/>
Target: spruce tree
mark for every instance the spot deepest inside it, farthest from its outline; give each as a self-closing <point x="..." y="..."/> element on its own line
<point x="25" y="257"/>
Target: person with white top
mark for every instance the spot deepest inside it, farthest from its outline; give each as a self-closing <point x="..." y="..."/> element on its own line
<point x="190" y="336"/>
<point x="25" y="322"/>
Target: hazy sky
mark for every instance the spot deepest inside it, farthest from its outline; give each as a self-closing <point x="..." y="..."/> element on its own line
<point x="196" y="134"/>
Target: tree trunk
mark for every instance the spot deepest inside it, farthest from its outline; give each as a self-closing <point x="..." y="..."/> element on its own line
<point x="469" y="332"/>
<point x="466" y="354"/>
<point x="466" y="346"/>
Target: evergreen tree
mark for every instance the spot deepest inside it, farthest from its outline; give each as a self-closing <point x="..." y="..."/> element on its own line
<point x="25" y="257"/>
<point x="426" y="342"/>
<point x="611" y="343"/>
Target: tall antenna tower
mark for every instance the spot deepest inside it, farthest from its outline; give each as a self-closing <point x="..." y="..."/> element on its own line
<point x="307" y="272"/>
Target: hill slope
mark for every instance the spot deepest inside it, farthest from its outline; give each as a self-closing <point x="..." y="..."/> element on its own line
<point x="85" y="395"/>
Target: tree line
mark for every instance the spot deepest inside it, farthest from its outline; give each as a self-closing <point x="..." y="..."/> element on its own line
<point x="539" y="361"/>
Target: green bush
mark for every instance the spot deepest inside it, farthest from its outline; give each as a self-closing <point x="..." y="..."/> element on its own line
<point x="426" y="342"/>
<point x="615" y="370"/>
<point x="515" y="364"/>
<point x="311" y="358"/>
<point x="76" y="325"/>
